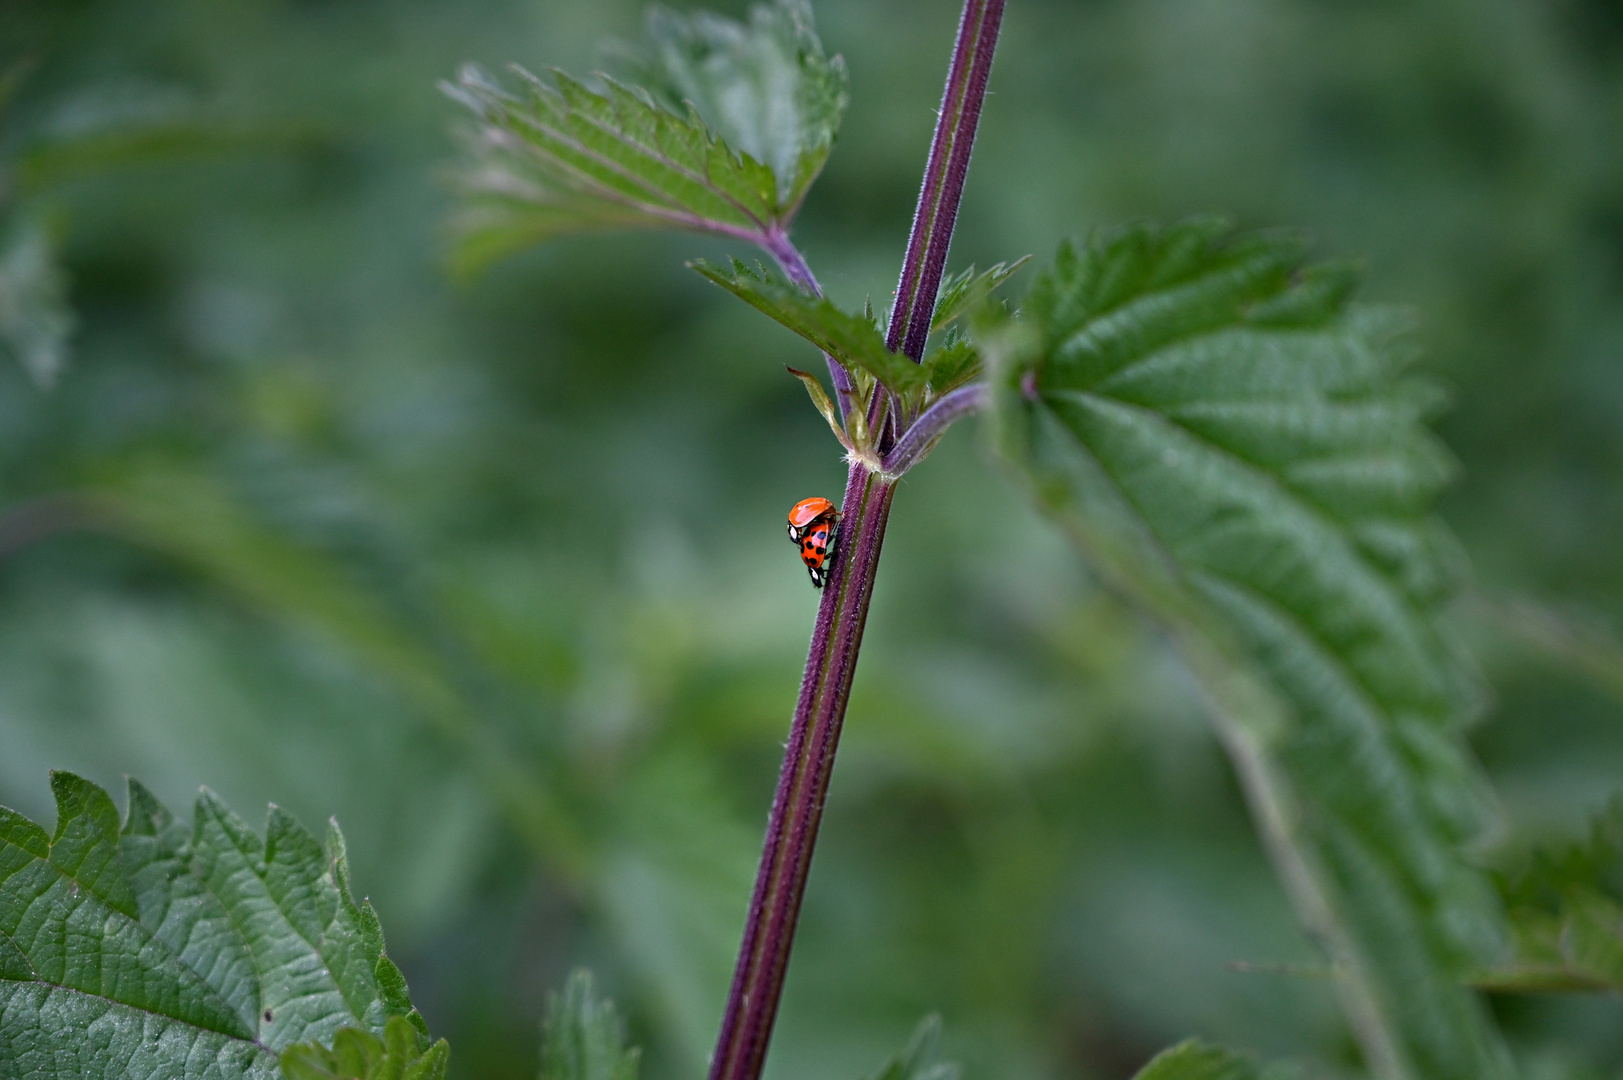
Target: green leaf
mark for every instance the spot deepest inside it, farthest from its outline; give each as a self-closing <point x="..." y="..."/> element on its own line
<point x="360" y="1055"/>
<point x="918" y="1060"/>
<point x="563" y="157"/>
<point x="34" y="317"/>
<point x="186" y="951"/>
<point x="851" y="339"/>
<point x="583" y="1039"/>
<point x="765" y="87"/>
<point x="1229" y="442"/>
<point x="1566" y="916"/>
<point x="1195" y="1060"/>
<point x="963" y="291"/>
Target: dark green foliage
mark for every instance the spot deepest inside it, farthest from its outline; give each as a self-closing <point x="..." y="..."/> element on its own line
<point x="359" y="1055"/>
<point x="1195" y="1060"/>
<point x="1230" y="443"/>
<point x="196" y="951"/>
<point x="583" y="1038"/>
<point x="1566" y="915"/>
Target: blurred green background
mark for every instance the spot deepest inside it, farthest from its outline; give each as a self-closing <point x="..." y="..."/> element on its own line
<point x="494" y="571"/>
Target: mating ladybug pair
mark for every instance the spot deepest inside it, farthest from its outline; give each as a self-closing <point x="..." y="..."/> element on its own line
<point x="814" y="529"/>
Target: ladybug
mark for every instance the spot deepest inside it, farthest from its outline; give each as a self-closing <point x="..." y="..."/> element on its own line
<point x="814" y="529"/>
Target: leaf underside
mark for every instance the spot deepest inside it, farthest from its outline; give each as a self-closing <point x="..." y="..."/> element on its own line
<point x="920" y="1059"/>
<point x="151" y="948"/>
<point x="734" y="126"/>
<point x="1238" y="448"/>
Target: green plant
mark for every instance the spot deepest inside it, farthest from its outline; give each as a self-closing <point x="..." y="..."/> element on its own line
<point x="1229" y="441"/>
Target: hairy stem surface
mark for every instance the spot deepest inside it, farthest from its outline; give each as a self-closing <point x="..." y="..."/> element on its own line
<point x="808" y="762"/>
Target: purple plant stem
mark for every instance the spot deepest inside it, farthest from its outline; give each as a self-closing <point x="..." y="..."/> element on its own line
<point x="763" y="957"/>
<point x="924" y="431"/>
<point x="808" y="763"/>
<point x="942" y="190"/>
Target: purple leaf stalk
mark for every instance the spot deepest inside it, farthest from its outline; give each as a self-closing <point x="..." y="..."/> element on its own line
<point x="797" y="808"/>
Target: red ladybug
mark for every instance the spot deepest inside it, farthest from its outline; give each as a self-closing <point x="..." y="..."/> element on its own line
<point x="814" y="529"/>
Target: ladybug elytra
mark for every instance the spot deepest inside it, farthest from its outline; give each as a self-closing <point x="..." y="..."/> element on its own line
<point x="814" y="529"/>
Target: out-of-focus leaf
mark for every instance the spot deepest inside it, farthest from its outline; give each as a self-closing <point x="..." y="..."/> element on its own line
<point x="1195" y="1060"/>
<point x="1566" y="916"/>
<point x="919" y="1059"/>
<point x="964" y="290"/>
<point x="158" y="949"/>
<point x="563" y="157"/>
<point x="583" y="1038"/>
<point x="1228" y="441"/>
<point x="766" y="87"/>
<point x="34" y="317"/>
<point x="360" y="1055"/>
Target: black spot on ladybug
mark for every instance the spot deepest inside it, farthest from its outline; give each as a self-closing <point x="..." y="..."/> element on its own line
<point x="821" y="550"/>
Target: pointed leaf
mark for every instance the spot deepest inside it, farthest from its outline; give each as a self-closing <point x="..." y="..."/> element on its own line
<point x="1231" y="443"/>
<point x="163" y="950"/>
<point x="822" y="403"/>
<point x="583" y="1039"/>
<point x="964" y="290"/>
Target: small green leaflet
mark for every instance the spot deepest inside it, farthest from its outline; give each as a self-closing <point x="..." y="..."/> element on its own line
<point x="358" y="1055"/>
<point x="582" y="1038"/>
<point x="1231" y="443"/>
<point x="963" y="291"/>
<point x="1566" y="916"/>
<point x="1195" y="1060"/>
<point x="745" y="118"/>
<point x="919" y="1059"/>
<point x="190" y="951"/>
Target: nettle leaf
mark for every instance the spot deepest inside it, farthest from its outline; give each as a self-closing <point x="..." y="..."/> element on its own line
<point x="760" y="108"/>
<point x="964" y="290"/>
<point x="583" y="1038"/>
<point x="153" y="948"/>
<point x="766" y="87"/>
<point x="1230" y="442"/>
<point x="1196" y="1060"/>
<point x="919" y="1060"/>
<point x="1566" y="916"/>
